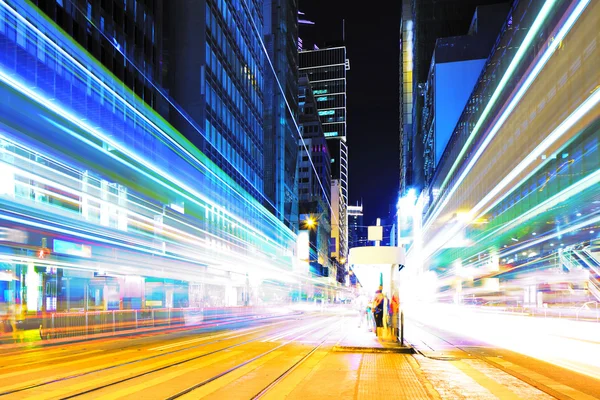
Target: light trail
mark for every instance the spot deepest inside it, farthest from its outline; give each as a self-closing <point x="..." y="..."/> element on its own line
<point x="35" y="97"/>
<point x="527" y="41"/>
<point x="101" y="83"/>
<point x="166" y="229"/>
<point x="514" y="101"/>
<point x="59" y="110"/>
<point x="476" y="211"/>
<point x="581" y="185"/>
<point x="569" y="344"/>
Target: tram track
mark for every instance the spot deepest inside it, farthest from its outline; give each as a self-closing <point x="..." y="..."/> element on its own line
<point x="205" y="342"/>
<point x="303" y="332"/>
<point x="291" y="369"/>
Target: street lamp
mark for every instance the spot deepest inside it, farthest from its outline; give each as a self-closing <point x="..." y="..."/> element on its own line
<point x="310" y="222"/>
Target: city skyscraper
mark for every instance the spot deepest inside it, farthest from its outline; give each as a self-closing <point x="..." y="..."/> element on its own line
<point x="281" y="108"/>
<point x="126" y="37"/>
<point x="216" y="47"/>
<point x="137" y="198"/>
<point x="314" y="182"/>
<point x="455" y="67"/>
<point x="326" y="71"/>
<point x="422" y="23"/>
<point x="357" y="233"/>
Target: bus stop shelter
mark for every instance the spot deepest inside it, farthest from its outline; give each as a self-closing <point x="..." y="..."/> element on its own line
<point x="376" y="266"/>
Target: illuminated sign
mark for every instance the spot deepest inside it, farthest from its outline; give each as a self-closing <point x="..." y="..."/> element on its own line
<point x="303" y="245"/>
<point x="323" y="98"/>
<point x="327" y="112"/>
<point x="375" y="233"/>
<point x="330" y="134"/>
<point x="320" y="91"/>
<point x="73" y="249"/>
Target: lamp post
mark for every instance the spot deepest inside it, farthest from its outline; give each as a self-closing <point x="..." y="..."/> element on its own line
<point x="310" y="222"/>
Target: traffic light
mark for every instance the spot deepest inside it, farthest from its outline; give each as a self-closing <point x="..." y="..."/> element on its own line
<point x="44" y="251"/>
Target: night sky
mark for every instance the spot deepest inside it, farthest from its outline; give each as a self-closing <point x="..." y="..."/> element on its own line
<point x="372" y="41"/>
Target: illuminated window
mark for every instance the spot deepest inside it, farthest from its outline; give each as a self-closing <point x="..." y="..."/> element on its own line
<point x="327" y="112"/>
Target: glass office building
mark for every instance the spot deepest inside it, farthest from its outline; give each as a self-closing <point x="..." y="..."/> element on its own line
<point x="216" y="47"/>
<point x="105" y="206"/>
<point x="281" y="108"/>
<point x="326" y="71"/>
<point x="125" y="36"/>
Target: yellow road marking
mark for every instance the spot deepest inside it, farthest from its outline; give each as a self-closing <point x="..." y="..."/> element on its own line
<point x="497" y="389"/>
<point x="544" y="380"/>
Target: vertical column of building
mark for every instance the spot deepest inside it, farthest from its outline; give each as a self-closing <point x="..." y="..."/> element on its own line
<point x="314" y="182"/>
<point x="406" y="92"/>
<point x="281" y="107"/>
<point x="216" y="47"/>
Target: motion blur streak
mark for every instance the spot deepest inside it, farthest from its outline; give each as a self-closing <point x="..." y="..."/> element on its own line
<point x="112" y="219"/>
<point x="570" y="344"/>
<point x="522" y="90"/>
<point x="510" y="236"/>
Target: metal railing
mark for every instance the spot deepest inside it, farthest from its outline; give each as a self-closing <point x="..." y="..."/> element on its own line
<point x="587" y="307"/>
<point x="568" y="261"/>
<point x="83" y="324"/>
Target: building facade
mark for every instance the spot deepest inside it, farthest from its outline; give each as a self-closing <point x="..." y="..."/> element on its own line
<point x="326" y="70"/>
<point x="281" y="134"/>
<point x="126" y="37"/>
<point x="455" y="67"/>
<point x="104" y="206"/>
<point x="216" y="47"/>
<point x="119" y="210"/>
<point x="314" y="182"/>
<point x="510" y="209"/>
<point x="357" y="232"/>
<point x="422" y="23"/>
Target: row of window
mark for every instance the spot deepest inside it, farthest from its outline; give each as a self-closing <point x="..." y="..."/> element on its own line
<point x="136" y="38"/>
<point x="61" y="79"/>
<point x="233" y="156"/>
<point x="238" y="102"/>
<point x="244" y="64"/>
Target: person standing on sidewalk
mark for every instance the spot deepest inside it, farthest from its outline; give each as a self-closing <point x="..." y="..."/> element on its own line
<point x="394" y="310"/>
<point x="378" y="305"/>
<point x="361" y="306"/>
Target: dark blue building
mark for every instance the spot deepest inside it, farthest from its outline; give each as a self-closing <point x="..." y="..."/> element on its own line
<point x="281" y="108"/>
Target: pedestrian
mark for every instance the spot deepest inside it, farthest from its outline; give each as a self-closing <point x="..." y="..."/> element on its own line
<point x="378" y="304"/>
<point x="361" y="307"/>
<point x="370" y="319"/>
<point x="394" y="309"/>
<point x="15" y="317"/>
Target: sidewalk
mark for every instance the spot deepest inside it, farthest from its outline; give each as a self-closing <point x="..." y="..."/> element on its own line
<point x="360" y="340"/>
<point x="359" y="366"/>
